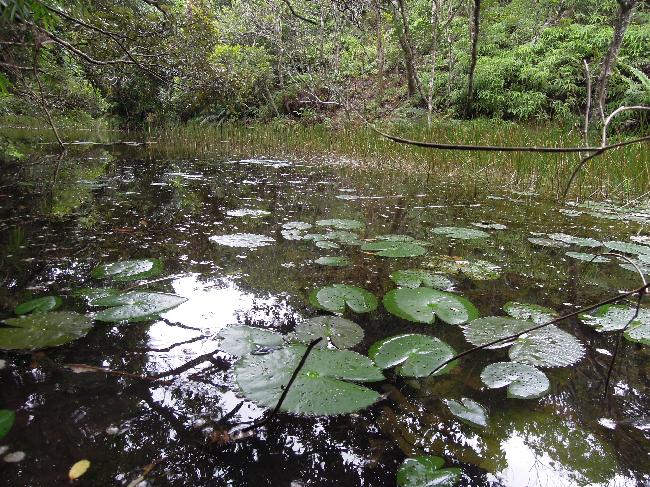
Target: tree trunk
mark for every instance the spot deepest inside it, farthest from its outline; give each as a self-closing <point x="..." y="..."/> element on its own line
<point x="404" y="36"/>
<point x="622" y="22"/>
<point x="435" y="15"/>
<point x="380" y="55"/>
<point x="474" y="31"/>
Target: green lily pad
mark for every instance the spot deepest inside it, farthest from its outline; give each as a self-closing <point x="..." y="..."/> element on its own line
<point x="292" y="235"/>
<point x="627" y="248"/>
<point x="338" y="331"/>
<point x="415" y="278"/>
<point x="490" y="226"/>
<point x="136" y="306"/>
<point x="533" y="312"/>
<point x="39" y="305"/>
<point x="468" y="411"/>
<point x="336" y="297"/>
<point x="244" y="212"/>
<point x="587" y="257"/>
<point x="43" y="330"/>
<point x="243" y="240"/>
<point x="326" y="244"/>
<point x="241" y="340"/>
<point x="322" y="387"/>
<point x="92" y="294"/>
<point x="547" y="242"/>
<point x="427" y="471"/>
<point x="297" y="226"/>
<point x="341" y="224"/>
<point x="344" y="238"/>
<point x="477" y="270"/>
<point x="7" y="419"/>
<point x="416" y="355"/>
<point x="461" y="233"/>
<point x="423" y="304"/>
<point x="579" y="241"/>
<point x="393" y="248"/>
<point x="613" y="317"/>
<point x="485" y="330"/>
<point x="402" y="238"/>
<point x="333" y="261"/>
<point x="547" y="347"/>
<point x="639" y="333"/>
<point x="128" y="270"/>
<point x="524" y="381"/>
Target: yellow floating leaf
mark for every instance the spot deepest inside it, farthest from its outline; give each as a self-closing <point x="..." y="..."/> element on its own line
<point x="78" y="469"/>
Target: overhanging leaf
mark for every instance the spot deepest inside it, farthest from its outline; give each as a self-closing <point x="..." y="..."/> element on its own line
<point x="43" y="330"/>
<point x="241" y="340"/>
<point x="39" y="305"/>
<point x="547" y="347"/>
<point x="416" y="355"/>
<point x="128" y="270"/>
<point x="422" y="305"/>
<point x="485" y="330"/>
<point x="427" y="471"/>
<point x="136" y="306"/>
<point x="340" y="332"/>
<point x="414" y="278"/>
<point x="7" y="419"/>
<point x="392" y="248"/>
<point x="468" y="411"/>
<point x="523" y="381"/>
<point x="336" y="297"/>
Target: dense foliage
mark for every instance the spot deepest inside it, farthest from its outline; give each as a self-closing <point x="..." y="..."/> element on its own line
<point x="166" y="61"/>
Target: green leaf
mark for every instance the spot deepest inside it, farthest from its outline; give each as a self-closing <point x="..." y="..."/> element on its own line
<point x="340" y="332"/>
<point x="128" y="270"/>
<point x="491" y="226"/>
<point x="416" y="355"/>
<point x="248" y="212"/>
<point x="461" y="233"/>
<point x="627" y="248"/>
<point x="533" y="312"/>
<point x="485" y="330"/>
<point x="7" y="419"/>
<point x="638" y="332"/>
<point x="415" y="278"/>
<point x="547" y="347"/>
<point x="92" y="294"/>
<point x="326" y="244"/>
<point x="43" y="330"/>
<point x="333" y="261"/>
<point x="136" y="306"/>
<point x="547" y="242"/>
<point x="344" y="238"/>
<point x="241" y="340"/>
<point x="341" y="224"/>
<point x="243" y="240"/>
<point x="297" y="226"/>
<point x="477" y="270"/>
<point x="427" y="471"/>
<point x="468" y="411"/>
<point x="587" y="257"/>
<point x="336" y="297"/>
<point x="613" y="317"/>
<point x="39" y="305"/>
<point x="523" y="381"/>
<point x="422" y="305"/>
<point x="579" y="241"/>
<point x="322" y="387"/>
<point x="392" y="248"/>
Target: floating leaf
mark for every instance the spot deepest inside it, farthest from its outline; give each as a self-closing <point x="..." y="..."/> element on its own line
<point x="523" y="381"/>
<point x="243" y="240"/>
<point x="39" y="305"/>
<point x="392" y="248"/>
<point x="340" y="332"/>
<point x="336" y="297"/>
<point x="416" y="355"/>
<point x="427" y="471"/>
<point x="78" y="469"/>
<point x="402" y="238"/>
<point x="588" y="257"/>
<point x="627" y="248"/>
<point x="461" y="233"/>
<point x="485" y="330"/>
<point x="42" y="330"/>
<point x="92" y="294"/>
<point x="639" y="333"/>
<point x="248" y="212"/>
<point x="613" y="317"/>
<point x="128" y="270"/>
<point x="240" y="340"/>
<point x="341" y="224"/>
<point x="478" y="270"/>
<point x="136" y="306"/>
<point x="414" y="278"/>
<point x="467" y="410"/>
<point x="547" y="242"/>
<point x="422" y="305"/>
<point x="344" y="238"/>
<point x="547" y="347"/>
<point x="333" y="261"/>
<point x="292" y="234"/>
<point x="326" y="244"/>
<point x="533" y="312"/>
<point x="7" y="419"/>
<point x="491" y="226"/>
<point x="571" y="240"/>
<point x="321" y="387"/>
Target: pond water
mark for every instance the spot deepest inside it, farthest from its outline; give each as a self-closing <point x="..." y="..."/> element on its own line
<point x="216" y="224"/>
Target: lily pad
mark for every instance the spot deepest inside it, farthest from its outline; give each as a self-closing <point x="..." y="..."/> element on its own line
<point x="613" y="317"/>
<point x="485" y="330"/>
<point x="7" y="419"/>
<point x="322" y="387"/>
<point x="490" y="226"/>
<point x="461" y="233"/>
<point x="423" y="304"/>
<point x="243" y="240"/>
<point x="586" y="257"/>
<point x="244" y="212"/>
<point x="414" y="278"/>
<point x="92" y="294"/>
<point x="136" y="306"/>
<point x="427" y="471"/>
<point x="416" y="355"/>
<point x="579" y="241"/>
<point x="639" y="333"/>
<point x="341" y="224"/>
<point x="333" y="261"/>
<point x="468" y="411"/>
<point x="336" y="297"/>
<point x="524" y="381"/>
<point x="43" y="330"/>
<point x="326" y="244"/>
<point x="344" y="238"/>
<point x="393" y="248"/>
<point x="477" y="270"/>
<point x="533" y="312"/>
<point x="128" y="270"/>
<point x="547" y="242"/>
<point x="547" y="347"/>
<point x="292" y="235"/>
<point x="627" y="248"/>
<point x="39" y="305"/>
<point x="338" y="331"/>
<point x="241" y="340"/>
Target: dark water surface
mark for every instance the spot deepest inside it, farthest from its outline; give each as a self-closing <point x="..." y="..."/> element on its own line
<point x="101" y="205"/>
